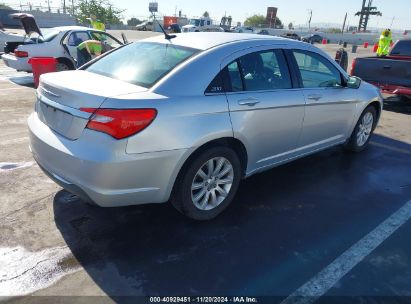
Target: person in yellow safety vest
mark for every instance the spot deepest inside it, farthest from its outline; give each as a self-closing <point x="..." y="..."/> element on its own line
<point x="97" y="24"/>
<point x="87" y="50"/>
<point x="384" y="43"/>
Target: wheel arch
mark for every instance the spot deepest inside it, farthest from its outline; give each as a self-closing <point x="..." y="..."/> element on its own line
<point x="67" y="61"/>
<point x="235" y="144"/>
<point x="377" y="105"/>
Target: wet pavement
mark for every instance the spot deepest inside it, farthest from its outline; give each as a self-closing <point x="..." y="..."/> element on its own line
<point x="284" y="226"/>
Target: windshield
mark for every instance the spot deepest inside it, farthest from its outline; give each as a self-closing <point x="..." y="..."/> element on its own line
<point x="141" y="63"/>
<point x="195" y="22"/>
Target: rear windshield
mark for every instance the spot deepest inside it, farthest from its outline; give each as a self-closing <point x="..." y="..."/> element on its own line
<point x="141" y="63"/>
<point x="47" y="37"/>
<point x="403" y="48"/>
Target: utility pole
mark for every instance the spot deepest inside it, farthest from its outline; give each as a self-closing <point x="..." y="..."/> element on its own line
<point x="310" y="16"/>
<point x="392" y="22"/>
<point x="365" y="13"/>
<point x="345" y="20"/>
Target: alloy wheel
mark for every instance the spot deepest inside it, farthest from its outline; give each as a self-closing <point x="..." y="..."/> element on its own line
<point x="212" y="183"/>
<point x="365" y="129"/>
<point x="61" y="67"/>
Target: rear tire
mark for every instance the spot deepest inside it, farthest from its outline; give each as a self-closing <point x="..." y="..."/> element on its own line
<point x="363" y="130"/>
<point x="61" y="66"/>
<point x="207" y="184"/>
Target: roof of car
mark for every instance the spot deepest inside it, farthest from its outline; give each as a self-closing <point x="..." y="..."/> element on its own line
<point x="207" y="40"/>
<point x="71" y="28"/>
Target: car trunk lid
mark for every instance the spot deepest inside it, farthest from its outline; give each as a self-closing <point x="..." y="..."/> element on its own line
<point x="61" y="96"/>
<point x="28" y="22"/>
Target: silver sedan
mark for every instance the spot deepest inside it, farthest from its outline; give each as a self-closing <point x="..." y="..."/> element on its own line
<point x="184" y="119"/>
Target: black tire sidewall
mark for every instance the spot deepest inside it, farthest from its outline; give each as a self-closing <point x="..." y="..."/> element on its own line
<point x="182" y="200"/>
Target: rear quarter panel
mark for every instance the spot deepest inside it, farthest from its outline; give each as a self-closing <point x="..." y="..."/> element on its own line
<point x="46" y="49"/>
<point x="184" y="122"/>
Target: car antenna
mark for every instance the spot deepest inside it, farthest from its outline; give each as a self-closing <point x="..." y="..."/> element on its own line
<point x="167" y="36"/>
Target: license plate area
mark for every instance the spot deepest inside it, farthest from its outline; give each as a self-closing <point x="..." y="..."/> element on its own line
<point x="60" y="121"/>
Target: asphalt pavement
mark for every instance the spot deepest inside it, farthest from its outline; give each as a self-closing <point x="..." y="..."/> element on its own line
<point x="334" y="225"/>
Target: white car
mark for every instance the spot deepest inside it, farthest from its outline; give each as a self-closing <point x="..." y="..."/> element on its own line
<point x="145" y="26"/>
<point x="244" y="29"/>
<point x="6" y="36"/>
<point x="59" y="42"/>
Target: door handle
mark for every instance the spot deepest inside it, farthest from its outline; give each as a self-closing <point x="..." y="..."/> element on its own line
<point x="315" y="97"/>
<point x="251" y="101"/>
<point x="387" y="67"/>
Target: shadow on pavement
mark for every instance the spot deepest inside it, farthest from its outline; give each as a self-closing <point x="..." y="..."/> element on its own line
<point x="397" y="104"/>
<point x="283" y="227"/>
<point x="26" y="81"/>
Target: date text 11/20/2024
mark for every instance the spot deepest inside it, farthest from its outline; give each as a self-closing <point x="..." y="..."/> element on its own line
<point x="203" y="300"/>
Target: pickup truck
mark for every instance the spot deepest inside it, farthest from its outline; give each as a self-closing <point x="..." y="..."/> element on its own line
<point x="392" y="73"/>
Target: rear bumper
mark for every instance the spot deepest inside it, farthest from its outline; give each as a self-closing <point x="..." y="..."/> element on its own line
<point x="96" y="167"/>
<point x="392" y="89"/>
<point x="19" y="64"/>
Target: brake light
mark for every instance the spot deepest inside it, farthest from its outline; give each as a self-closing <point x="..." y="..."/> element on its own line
<point x="120" y="123"/>
<point x="354" y="61"/>
<point x="21" y="54"/>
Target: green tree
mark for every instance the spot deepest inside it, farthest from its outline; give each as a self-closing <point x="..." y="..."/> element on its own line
<point x="102" y="9"/>
<point x="4" y="6"/>
<point x="206" y="14"/>
<point x="133" y="21"/>
<point x="290" y="26"/>
<point x="334" y="30"/>
<point x="255" y="20"/>
<point x="260" y="20"/>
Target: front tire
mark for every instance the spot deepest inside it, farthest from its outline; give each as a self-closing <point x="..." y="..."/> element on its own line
<point x="207" y="184"/>
<point x="363" y="131"/>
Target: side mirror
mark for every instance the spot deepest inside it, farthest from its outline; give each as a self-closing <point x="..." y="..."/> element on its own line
<point x="353" y="82"/>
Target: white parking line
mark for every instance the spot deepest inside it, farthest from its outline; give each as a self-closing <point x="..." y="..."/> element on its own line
<point x="7" y="167"/>
<point x="330" y="275"/>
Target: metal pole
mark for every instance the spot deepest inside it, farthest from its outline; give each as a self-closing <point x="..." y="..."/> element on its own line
<point x="309" y="19"/>
<point x="345" y="20"/>
<point x="392" y="22"/>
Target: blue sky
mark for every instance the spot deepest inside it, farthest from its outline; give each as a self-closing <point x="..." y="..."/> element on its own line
<point x="295" y="11"/>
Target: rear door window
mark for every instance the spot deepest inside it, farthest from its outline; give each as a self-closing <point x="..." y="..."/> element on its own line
<point x="235" y="77"/>
<point x="265" y="70"/>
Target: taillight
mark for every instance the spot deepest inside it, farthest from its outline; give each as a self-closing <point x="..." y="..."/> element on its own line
<point x="21" y="54"/>
<point x="352" y="67"/>
<point x="120" y="123"/>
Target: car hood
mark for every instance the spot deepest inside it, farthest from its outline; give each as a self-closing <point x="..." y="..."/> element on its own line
<point x="28" y="22"/>
<point x="188" y="26"/>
